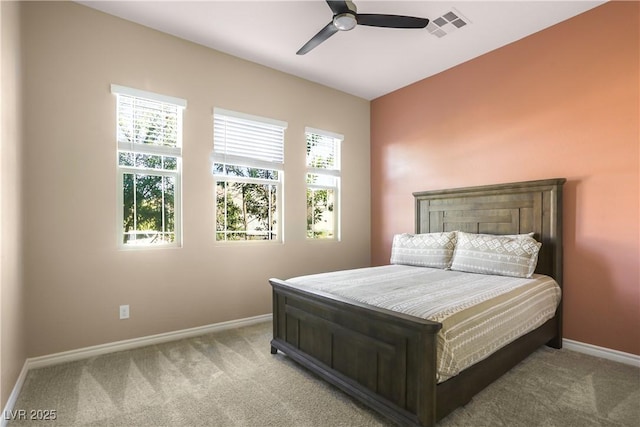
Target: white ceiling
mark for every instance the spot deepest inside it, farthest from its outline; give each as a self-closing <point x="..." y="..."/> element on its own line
<point x="367" y="62"/>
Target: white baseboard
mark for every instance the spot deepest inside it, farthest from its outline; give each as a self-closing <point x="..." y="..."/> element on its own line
<point x="98" y="350"/>
<point x="13" y="397"/>
<point x="605" y="353"/>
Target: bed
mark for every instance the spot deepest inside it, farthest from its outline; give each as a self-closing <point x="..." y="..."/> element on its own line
<point x="387" y="359"/>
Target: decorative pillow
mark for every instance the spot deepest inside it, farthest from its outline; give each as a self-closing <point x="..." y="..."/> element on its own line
<point x="424" y="250"/>
<point x="515" y="256"/>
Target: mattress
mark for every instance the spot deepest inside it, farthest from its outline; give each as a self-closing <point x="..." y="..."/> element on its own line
<point x="479" y="313"/>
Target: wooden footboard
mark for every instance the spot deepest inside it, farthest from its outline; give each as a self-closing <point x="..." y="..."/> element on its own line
<point x="384" y="359"/>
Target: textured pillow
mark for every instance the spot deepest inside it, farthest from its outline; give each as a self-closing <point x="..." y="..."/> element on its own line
<point x="515" y="256"/>
<point x="424" y="250"/>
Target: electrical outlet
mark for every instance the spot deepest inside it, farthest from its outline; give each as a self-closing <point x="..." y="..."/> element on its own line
<point x="124" y="311"/>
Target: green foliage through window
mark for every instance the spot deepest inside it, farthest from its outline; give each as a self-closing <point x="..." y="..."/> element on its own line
<point x="149" y="209"/>
<point x="320" y="213"/>
<point x="246" y="211"/>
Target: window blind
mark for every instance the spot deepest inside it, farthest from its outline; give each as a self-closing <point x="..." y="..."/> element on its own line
<point x="147" y="122"/>
<point x="245" y="140"/>
<point x="323" y="149"/>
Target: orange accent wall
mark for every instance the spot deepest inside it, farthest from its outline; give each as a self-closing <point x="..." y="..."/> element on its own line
<point x="563" y="102"/>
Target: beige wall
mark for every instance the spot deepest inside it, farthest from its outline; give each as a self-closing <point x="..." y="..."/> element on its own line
<point x="76" y="275"/>
<point x="12" y="290"/>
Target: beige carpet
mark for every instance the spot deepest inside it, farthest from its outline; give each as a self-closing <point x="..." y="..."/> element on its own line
<point x="231" y="379"/>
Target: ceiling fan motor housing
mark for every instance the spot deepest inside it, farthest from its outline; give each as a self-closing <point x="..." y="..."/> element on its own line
<point x="345" y="21"/>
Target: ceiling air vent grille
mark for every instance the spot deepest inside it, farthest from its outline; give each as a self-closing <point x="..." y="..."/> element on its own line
<point x="447" y="23"/>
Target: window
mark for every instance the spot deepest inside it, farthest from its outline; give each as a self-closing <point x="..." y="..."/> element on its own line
<point x="149" y="136"/>
<point x="248" y="163"/>
<point x="323" y="184"/>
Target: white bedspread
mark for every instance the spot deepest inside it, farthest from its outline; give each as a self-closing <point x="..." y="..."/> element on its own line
<point x="479" y="313"/>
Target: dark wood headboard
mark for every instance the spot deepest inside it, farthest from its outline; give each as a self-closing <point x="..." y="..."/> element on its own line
<point x="514" y="208"/>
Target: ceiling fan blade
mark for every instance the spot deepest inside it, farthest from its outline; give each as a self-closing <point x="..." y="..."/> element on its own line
<point x="391" y="21"/>
<point x="338" y="7"/>
<point x="324" y="34"/>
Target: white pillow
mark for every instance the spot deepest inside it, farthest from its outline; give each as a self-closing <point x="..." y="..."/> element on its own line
<point x="424" y="250"/>
<point x="513" y="255"/>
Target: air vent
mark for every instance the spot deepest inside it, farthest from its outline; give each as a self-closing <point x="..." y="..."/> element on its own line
<point x="447" y="23"/>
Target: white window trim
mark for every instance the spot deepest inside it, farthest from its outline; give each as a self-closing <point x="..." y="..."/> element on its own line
<point x="324" y="133"/>
<point x="152" y="150"/>
<point x="250" y="117"/>
<point x="320" y="171"/>
<point x="336" y="173"/>
<point x="228" y="159"/>
<point x="124" y="90"/>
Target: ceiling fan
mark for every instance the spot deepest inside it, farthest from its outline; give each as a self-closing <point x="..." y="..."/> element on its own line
<point x="346" y="17"/>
